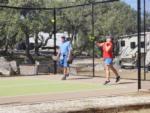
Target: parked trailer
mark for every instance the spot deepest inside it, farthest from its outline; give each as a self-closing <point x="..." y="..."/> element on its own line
<point x="128" y="49"/>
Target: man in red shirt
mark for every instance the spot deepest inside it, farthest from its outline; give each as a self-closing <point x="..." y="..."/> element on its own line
<point x="107" y="48"/>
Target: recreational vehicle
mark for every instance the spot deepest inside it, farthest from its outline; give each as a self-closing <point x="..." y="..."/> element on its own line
<point x="48" y="42"/>
<point x="128" y="49"/>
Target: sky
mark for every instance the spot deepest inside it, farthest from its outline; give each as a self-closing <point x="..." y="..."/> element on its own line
<point x="133" y="4"/>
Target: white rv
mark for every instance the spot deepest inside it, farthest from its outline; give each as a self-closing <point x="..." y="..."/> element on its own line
<point x="50" y="42"/>
<point x="128" y="49"/>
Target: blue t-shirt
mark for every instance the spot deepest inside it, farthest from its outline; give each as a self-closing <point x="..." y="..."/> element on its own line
<point x="65" y="48"/>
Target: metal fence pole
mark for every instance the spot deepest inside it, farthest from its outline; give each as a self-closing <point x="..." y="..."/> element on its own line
<point x="139" y="42"/>
<point x="93" y="40"/>
<point x="144" y="42"/>
<point x="54" y="32"/>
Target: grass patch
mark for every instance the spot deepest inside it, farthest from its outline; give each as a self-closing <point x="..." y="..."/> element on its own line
<point x="21" y="86"/>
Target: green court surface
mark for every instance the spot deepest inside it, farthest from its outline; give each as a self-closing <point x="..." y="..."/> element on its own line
<point x="21" y="86"/>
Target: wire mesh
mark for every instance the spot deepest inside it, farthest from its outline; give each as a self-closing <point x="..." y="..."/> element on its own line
<point x="76" y="22"/>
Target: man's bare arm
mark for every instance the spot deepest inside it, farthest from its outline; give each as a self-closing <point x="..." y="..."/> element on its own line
<point x="99" y="44"/>
<point x="108" y="47"/>
<point x="58" y="54"/>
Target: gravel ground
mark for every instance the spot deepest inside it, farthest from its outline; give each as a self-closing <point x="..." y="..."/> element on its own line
<point x="138" y="111"/>
<point x="76" y="105"/>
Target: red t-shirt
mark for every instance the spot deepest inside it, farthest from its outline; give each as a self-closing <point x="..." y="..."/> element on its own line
<point x="107" y="54"/>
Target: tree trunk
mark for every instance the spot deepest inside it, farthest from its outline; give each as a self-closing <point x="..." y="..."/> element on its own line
<point x="6" y="45"/>
<point x="6" y="48"/>
<point x="29" y="58"/>
<point x="74" y="36"/>
<point x="46" y="41"/>
<point x="36" y="45"/>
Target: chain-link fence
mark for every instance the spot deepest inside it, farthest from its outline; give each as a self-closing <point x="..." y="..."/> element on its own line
<point x="33" y="33"/>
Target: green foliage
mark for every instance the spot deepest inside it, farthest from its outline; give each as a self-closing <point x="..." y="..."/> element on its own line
<point x="113" y="18"/>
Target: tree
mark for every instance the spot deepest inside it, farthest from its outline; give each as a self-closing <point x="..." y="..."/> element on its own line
<point x="8" y="31"/>
<point x="116" y="19"/>
<point x="113" y="18"/>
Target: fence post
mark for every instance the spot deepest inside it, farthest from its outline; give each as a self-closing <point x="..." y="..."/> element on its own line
<point x="139" y="42"/>
<point x="144" y="42"/>
<point x="54" y="32"/>
<point x="93" y="40"/>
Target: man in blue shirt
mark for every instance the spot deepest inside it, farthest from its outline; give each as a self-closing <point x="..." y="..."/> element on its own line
<point x="64" y="54"/>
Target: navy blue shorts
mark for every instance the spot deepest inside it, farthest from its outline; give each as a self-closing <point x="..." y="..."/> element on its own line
<point x="64" y="62"/>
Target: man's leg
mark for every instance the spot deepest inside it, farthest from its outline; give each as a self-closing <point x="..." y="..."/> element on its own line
<point x="115" y="72"/>
<point x="107" y="72"/>
<point x="65" y="74"/>
<point x="108" y="62"/>
<point x="66" y="69"/>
